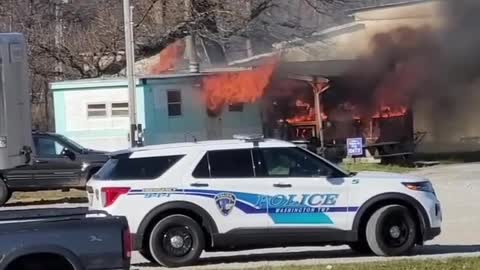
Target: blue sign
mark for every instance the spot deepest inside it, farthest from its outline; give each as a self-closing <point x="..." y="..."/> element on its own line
<point x="355" y="147"/>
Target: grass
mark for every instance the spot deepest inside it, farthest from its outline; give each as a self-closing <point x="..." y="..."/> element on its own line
<point x="450" y="264"/>
<point x="47" y="197"/>
<point x="357" y="167"/>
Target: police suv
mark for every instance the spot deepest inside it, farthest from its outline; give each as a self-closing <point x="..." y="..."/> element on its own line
<point x="181" y="199"/>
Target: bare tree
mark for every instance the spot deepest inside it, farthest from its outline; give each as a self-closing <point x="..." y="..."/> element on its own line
<point x="71" y="39"/>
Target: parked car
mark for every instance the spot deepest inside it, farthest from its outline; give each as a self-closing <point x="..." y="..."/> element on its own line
<point x="181" y="199"/>
<point x="63" y="239"/>
<point x="59" y="163"/>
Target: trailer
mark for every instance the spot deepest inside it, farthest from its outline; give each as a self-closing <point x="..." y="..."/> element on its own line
<point x="15" y="111"/>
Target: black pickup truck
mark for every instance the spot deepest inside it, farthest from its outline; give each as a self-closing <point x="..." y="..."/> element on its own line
<point x="58" y="163"/>
<point x="63" y="239"/>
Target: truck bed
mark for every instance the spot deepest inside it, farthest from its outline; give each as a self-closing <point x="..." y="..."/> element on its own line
<point x="43" y="213"/>
<point x="89" y="239"/>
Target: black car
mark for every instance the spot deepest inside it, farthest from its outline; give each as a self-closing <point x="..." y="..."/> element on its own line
<point x="59" y="163"/>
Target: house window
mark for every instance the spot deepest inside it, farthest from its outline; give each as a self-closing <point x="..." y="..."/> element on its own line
<point x="120" y="109"/>
<point x="235" y="107"/>
<point x="174" y="100"/>
<point x="97" y="110"/>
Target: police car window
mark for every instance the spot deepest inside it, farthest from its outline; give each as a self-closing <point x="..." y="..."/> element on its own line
<point x="202" y="171"/>
<point x="292" y="162"/>
<point x="231" y="163"/>
<point x="124" y="168"/>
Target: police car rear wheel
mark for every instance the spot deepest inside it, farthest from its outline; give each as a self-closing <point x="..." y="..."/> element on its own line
<point x="176" y="241"/>
<point x="391" y="231"/>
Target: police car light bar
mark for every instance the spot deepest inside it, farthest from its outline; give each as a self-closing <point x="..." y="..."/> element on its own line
<point x="249" y="138"/>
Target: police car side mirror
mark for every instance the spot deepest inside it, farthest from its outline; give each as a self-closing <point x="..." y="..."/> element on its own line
<point x="331" y="174"/>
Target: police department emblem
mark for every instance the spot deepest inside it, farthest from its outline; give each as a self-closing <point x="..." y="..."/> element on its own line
<point x="225" y="202"/>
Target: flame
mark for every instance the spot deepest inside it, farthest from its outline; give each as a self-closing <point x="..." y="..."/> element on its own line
<point x="304" y="118"/>
<point x="237" y="87"/>
<point x="389" y="112"/>
<point x="170" y="58"/>
<point x="386" y="80"/>
<point x="307" y="113"/>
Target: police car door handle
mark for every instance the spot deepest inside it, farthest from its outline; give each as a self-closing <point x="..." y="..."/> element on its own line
<point x="282" y="185"/>
<point x="199" y="184"/>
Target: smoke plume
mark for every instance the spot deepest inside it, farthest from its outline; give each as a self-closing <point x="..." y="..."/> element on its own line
<point x="432" y="70"/>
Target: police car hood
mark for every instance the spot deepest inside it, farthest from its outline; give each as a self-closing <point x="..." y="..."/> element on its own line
<point x="389" y="176"/>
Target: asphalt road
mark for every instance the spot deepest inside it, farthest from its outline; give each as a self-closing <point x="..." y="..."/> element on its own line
<point x="458" y="187"/>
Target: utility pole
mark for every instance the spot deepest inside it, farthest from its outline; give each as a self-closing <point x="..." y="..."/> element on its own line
<point x="10" y="16"/>
<point x="130" y="59"/>
<point x="59" y="36"/>
<point x="59" y="68"/>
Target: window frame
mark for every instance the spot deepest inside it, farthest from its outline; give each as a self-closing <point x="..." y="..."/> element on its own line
<point x="97" y="110"/>
<point x="236" y="107"/>
<point x="206" y="153"/>
<point x="37" y="154"/>
<point x="178" y="157"/>
<point x="112" y="109"/>
<point x="177" y="103"/>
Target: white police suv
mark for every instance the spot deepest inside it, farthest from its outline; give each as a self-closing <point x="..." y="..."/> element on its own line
<point x="182" y="199"/>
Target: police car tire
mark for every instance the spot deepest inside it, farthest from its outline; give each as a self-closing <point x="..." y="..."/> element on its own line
<point x="156" y="247"/>
<point x="376" y="224"/>
<point x="4" y="193"/>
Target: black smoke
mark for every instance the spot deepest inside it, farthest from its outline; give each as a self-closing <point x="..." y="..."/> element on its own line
<point x="432" y="69"/>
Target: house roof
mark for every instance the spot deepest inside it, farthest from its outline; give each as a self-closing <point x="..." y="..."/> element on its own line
<point x="389" y="5"/>
<point x="123" y="82"/>
<point x="328" y="69"/>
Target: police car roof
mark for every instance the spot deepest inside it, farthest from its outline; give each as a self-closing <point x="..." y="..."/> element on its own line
<point x="183" y="148"/>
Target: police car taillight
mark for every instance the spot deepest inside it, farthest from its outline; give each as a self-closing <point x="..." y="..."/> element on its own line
<point x="111" y="194"/>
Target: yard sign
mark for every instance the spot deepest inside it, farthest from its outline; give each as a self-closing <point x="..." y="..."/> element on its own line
<point x="355" y="147"/>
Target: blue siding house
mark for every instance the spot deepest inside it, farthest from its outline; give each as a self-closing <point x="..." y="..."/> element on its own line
<point x="171" y="108"/>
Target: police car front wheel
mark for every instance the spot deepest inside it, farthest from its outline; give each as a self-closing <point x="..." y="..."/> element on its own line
<point x="391" y="231"/>
<point x="176" y="241"/>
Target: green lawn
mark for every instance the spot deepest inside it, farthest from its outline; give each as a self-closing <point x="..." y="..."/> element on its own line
<point x="357" y="167"/>
<point x="451" y="264"/>
<point x="47" y="197"/>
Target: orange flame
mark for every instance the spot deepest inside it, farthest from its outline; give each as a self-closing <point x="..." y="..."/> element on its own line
<point x="389" y="112"/>
<point x="304" y="118"/>
<point x="170" y="58"/>
<point x="237" y="87"/>
<point x="309" y="116"/>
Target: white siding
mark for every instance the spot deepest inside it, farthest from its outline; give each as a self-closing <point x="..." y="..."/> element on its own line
<point x="102" y="133"/>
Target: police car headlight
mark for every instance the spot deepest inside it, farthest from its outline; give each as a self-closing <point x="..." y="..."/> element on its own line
<point x="425" y="186"/>
<point x="3" y="142"/>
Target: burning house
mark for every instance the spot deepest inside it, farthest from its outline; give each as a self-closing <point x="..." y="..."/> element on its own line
<point x="401" y="76"/>
<point x="175" y="107"/>
<point x="391" y="75"/>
